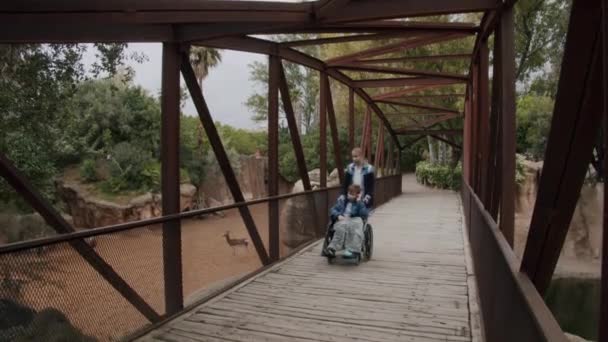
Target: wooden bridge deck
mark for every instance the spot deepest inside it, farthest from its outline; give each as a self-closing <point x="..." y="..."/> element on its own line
<point x="413" y="289"/>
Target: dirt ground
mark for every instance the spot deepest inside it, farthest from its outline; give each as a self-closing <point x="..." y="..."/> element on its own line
<point x="69" y="284"/>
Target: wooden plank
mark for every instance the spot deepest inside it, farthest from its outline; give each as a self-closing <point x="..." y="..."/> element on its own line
<point x="414" y="289"/>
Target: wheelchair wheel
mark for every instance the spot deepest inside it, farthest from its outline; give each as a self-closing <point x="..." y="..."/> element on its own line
<point x="368" y="242"/>
<point x="328" y="236"/>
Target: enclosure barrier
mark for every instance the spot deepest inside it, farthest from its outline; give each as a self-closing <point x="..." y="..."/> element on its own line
<point x="48" y="274"/>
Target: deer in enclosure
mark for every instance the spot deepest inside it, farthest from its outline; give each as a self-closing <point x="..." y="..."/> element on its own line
<point x="235" y="242"/>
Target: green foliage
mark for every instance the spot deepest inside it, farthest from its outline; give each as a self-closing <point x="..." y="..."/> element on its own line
<point x="88" y="170"/>
<point x="303" y="86"/>
<point x="540" y="33"/>
<point x="533" y="124"/>
<point x="520" y="171"/>
<point x="202" y="59"/>
<point x="107" y="112"/>
<point x="440" y="176"/>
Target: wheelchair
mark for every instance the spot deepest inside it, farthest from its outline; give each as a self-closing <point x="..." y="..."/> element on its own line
<point x="367" y="247"/>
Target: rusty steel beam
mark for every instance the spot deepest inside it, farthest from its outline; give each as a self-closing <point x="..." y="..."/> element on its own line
<point x="419" y="106"/>
<point x="54" y="219"/>
<point x="603" y="319"/>
<point x="400" y="33"/>
<point x="379" y="147"/>
<point x="398" y="71"/>
<point x="334" y="129"/>
<point x="418" y="114"/>
<point x="483" y="117"/>
<point x="405" y="81"/>
<point x="326" y="8"/>
<point x="506" y="39"/>
<point x="413" y="59"/>
<point x="254" y="45"/>
<point x="387" y="9"/>
<point x="429" y="96"/>
<point x="274" y="75"/>
<point x="429" y="132"/>
<point x="294" y="131"/>
<point x="222" y="158"/>
<point x="296" y="141"/>
<point x="446" y="141"/>
<point x="351" y="118"/>
<point x="421" y="40"/>
<point x="323" y="90"/>
<point x="446" y="117"/>
<point x="399" y="93"/>
<point x="574" y="128"/>
<point x="247" y="11"/>
<point x="170" y="178"/>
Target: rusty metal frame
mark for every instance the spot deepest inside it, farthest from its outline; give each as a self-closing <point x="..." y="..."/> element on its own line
<point x="222" y="158"/>
<point x="505" y="38"/>
<point x="430" y="131"/>
<point x="274" y="79"/>
<point x="170" y="177"/>
<point x="603" y="319"/>
<point x="334" y="129"/>
<point x="574" y="127"/>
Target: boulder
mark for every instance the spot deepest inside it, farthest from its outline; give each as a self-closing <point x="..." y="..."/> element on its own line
<point x="333" y="179"/>
<point x="90" y="212"/>
<point x="581" y="251"/>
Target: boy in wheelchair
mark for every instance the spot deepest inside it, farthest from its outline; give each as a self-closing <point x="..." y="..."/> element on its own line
<point x="348" y="219"/>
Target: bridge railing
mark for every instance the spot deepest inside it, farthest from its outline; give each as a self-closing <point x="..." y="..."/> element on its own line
<point x="511" y="307"/>
<point x="50" y="274"/>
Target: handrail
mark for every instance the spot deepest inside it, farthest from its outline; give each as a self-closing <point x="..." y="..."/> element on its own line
<point x="53" y="240"/>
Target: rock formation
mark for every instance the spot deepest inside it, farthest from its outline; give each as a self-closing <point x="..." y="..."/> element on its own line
<point x="90" y="212"/>
<point x="581" y="252"/>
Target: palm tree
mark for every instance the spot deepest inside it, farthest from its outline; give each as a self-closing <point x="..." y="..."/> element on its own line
<point x="203" y="59"/>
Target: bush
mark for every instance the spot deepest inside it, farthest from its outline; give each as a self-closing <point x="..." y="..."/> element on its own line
<point x="88" y="170"/>
<point x="127" y="167"/>
<point x="440" y="176"/>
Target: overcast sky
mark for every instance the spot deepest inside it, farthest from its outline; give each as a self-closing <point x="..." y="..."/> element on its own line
<point x="226" y="88"/>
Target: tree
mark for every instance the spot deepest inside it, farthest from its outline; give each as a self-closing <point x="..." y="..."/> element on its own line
<point x="303" y="86"/>
<point x="540" y="33"/>
<point x="202" y="60"/>
<point x="533" y="123"/>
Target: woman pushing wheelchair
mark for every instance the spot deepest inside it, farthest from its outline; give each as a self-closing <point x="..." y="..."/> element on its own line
<point x="348" y="230"/>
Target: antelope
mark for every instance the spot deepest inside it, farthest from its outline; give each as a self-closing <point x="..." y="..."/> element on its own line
<point x="235" y="242"/>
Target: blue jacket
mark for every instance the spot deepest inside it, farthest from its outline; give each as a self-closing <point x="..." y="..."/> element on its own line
<point x="358" y="209"/>
<point x="368" y="183"/>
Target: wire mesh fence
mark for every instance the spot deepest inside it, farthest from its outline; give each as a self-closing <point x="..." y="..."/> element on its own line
<point x="49" y="290"/>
